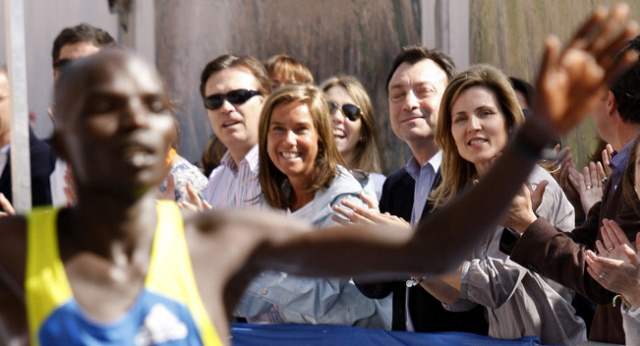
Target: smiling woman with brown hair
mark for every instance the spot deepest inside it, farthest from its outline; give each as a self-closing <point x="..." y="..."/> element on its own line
<point x="302" y="173"/>
<point x="298" y="154"/>
<point x="479" y="111"/>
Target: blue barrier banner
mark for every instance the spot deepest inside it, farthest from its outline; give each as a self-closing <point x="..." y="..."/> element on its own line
<point x="303" y="334"/>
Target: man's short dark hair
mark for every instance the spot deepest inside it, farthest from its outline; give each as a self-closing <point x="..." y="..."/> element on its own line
<point x="226" y="61"/>
<point x="525" y="88"/>
<point x="413" y="54"/>
<point x="627" y="88"/>
<point x="81" y="33"/>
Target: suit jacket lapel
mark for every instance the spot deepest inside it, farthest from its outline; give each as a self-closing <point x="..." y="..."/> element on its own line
<point x="5" y="180"/>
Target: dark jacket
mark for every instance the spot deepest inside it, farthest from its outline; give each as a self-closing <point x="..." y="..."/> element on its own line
<point x="42" y="162"/>
<point x="427" y="312"/>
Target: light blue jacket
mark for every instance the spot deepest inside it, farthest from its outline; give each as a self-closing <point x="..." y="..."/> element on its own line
<point x="283" y="298"/>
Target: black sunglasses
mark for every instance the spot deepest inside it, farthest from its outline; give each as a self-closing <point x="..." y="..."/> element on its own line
<point x="352" y="112"/>
<point x="237" y="97"/>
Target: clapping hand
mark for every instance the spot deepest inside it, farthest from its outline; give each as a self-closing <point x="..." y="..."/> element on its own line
<point x="606" y="160"/>
<point x="589" y="184"/>
<point x="617" y="265"/>
<point x="521" y="211"/>
<point x="567" y="166"/>
<point x="196" y="203"/>
<point x="355" y="213"/>
<point x="70" y="187"/>
<point x="6" y="205"/>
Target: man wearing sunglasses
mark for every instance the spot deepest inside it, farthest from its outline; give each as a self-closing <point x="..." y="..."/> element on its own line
<point x="233" y="89"/>
<point x="415" y="85"/>
<point x="72" y="43"/>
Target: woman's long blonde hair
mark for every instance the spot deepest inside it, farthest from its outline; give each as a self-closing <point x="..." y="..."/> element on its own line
<point x="457" y="172"/>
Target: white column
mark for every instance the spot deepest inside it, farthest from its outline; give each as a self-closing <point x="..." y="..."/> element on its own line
<point x="136" y="27"/>
<point x="17" y="72"/>
<point x="445" y="26"/>
<point x="145" y="33"/>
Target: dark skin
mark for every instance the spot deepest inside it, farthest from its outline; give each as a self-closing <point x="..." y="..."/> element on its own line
<point x="114" y="128"/>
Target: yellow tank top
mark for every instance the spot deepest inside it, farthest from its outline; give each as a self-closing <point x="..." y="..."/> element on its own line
<point x="168" y="309"/>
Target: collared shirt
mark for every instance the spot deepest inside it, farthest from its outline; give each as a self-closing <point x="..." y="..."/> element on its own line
<point x="58" y="184"/>
<point x="4" y="154"/>
<point x="619" y="164"/>
<point x="424" y="177"/>
<point x="232" y="186"/>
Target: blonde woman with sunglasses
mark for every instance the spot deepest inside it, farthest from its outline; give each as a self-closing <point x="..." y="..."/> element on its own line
<point x="355" y="129"/>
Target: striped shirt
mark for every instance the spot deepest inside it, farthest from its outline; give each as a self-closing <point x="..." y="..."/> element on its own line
<point x="232" y="186"/>
<point x="619" y="164"/>
<point x="424" y="176"/>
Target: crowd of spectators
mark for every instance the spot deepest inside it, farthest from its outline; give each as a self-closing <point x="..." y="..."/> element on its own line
<point x="487" y="229"/>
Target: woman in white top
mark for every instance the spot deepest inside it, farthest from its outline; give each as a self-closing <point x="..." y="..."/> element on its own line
<point x="477" y="112"/>
<point x="355" y="129"/>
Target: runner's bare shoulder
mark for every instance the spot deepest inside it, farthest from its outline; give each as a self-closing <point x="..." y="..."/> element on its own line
<point x="13" y="246"/>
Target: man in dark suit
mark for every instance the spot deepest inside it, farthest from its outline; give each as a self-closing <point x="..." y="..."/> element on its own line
<point x="40" y="154"/>
<point x="415" y="85"/>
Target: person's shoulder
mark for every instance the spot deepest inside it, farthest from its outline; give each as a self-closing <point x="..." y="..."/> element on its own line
<point x="377" y="178"/>
<point x="344" y="184"/>
<point x="539" y="174"/>
<point x="216" y="172"/>
<point x="187" y="171"/>
<point x="13" y="230"/>
<point x="396" y="177"/>
<point x="41" y="155"/>
<point x="15" y="224"/>
<point x="35" y="143"/>
<point x="205" y="231"/>
<point x="13" y="246"/>
<point x="240" y="231"/>
<point x="201" y="222"/>
<point x="398" y="173"/>
<point x="209" y="223"/>
<point x="344" y="179"/>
